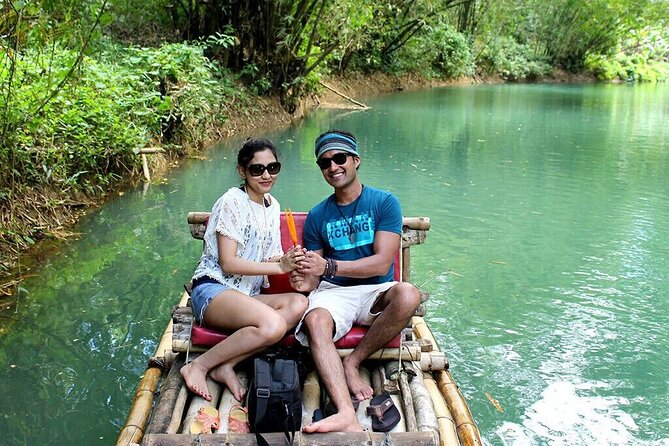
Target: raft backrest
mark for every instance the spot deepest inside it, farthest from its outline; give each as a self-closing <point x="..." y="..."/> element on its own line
<point x="413" y="233"/>
<point x="281" y="283"/>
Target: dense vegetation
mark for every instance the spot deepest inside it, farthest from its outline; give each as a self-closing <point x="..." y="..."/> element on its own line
<point x="84" y="84"/>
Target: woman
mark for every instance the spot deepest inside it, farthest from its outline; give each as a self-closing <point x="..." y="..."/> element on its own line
<point x="242" y="246"/>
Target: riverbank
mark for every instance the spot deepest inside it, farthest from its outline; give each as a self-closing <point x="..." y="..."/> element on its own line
<point x="40" y="215"/>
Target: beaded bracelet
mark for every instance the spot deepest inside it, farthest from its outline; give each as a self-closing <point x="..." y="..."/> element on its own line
<point x="331" y="268"/>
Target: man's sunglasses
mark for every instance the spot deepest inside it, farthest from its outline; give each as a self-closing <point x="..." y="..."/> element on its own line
<point x="257" y="170"/>
<point x="338" y="158"/>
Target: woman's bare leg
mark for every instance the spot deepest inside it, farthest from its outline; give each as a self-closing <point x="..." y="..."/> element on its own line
<point x="290" y="306"/>
<point x="256" y="326"/>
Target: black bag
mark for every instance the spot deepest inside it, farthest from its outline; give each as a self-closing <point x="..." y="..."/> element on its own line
<point x="275" y="398"/>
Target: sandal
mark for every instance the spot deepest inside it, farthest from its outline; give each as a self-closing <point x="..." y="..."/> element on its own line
<point x="238" y="420"/>
<point x="206" y="420"/>
<point x="385" y="415"/>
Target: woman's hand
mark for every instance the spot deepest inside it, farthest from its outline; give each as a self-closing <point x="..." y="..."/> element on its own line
<point x="302" y="283"/>
<point x="291" y="260"/>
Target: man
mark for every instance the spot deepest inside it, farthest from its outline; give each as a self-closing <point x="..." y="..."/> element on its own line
<point x="352" y="238"/>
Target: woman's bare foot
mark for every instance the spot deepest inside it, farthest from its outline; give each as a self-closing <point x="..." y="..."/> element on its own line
<point x="356" y="386"/>
<point x="196" y="379"/>
<point x="339" y="422"/>
<point x="226" y="375"/>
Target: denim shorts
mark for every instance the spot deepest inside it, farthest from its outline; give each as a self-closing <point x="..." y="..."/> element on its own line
<point x="203" y="292"/>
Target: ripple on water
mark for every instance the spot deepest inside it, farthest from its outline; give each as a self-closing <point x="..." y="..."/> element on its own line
<point x="568" y="414"/>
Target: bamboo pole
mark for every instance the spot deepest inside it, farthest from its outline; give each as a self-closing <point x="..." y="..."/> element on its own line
<point x="407" y="401"/>
<point x="422" y="223"/>
<point x="432" y="361"/>
<point x="228" y="400"/>
<point x="133" y="431"/>
<point x="338" y="93"/>
<point x="311" y="396"/>
<point x="276" y="438"/>
<point x="464" y="422"/>
<point x="377" y="379"/>
<point x="164" y="353"/>
<point x="419" y="223"/>
<point x="150" y="150"/>
<point x="145" y="167"/>
<point x="169" y="394"/>
<point x="402" y="425"/>
<point x="426" y="419"/>
<point x="197" y="402"/>
<point x="178" y="411"/>
<point x="406" y="264"/>
<point x="408" y="353"/>
<point x="447" y="431"/>
<point x="364" y="420"/>
<point x="422" y="331"/>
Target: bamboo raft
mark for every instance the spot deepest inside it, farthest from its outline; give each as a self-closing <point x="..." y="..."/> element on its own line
<point x="432" y="408"/>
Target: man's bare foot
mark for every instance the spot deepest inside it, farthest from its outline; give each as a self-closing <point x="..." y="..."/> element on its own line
<point x="356" y="386"/>
<point x="226" y="375"/>
<point x="196" y="379"/>
<point x="339" y="422"/>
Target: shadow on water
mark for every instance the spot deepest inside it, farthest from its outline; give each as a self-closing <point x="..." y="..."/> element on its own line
<point x="547" y="263"/>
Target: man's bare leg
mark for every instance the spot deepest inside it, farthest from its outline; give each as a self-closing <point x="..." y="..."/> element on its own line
<point x="320" y="326"/>
<point x="397" y="306"/>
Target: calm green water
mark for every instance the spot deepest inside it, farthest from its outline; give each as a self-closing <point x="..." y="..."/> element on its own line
<point x="548" y="264"/>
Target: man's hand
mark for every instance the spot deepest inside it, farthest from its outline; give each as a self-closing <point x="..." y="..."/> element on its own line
<point x="312" y="264"/>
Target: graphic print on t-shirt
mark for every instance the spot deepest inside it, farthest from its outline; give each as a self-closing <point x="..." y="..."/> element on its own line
<point x="351" y="232"/>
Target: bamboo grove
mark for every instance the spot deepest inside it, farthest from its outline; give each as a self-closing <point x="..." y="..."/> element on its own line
<point x="85" y="84"/>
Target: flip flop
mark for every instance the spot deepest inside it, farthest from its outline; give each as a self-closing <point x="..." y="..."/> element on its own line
<point x="318" y="415"/>
<point x="330" y="408"/>
<point x="206" y="420"/>
<point x="385" y="415"/>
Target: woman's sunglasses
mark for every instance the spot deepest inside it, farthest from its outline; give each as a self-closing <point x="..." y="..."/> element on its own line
<point x="257" y="170"/>
<point x="338" y="158"/>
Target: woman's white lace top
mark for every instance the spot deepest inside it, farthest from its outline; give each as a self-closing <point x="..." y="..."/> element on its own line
<point x="254" y="227"/>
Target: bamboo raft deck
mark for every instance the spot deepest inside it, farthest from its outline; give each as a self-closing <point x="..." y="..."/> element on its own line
<point x="432" y="408"/>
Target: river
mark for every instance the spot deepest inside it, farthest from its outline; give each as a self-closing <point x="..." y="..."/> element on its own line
<point x="547" y="264"/>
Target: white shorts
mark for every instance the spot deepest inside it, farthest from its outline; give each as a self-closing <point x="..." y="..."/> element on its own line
<point x="348" y="305"/>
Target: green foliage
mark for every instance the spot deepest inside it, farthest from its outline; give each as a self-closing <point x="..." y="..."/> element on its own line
<point x="627" y="68"/>
<point x="145" y="22"/>
<point x="642" y="57"/>
<point x="564" y="32"/>
<point x="511" y="60"/>
<point x="259" y="85"/>
<point x="78" y="137"/>
<point x="180" y="90"/>
<point x="87" y="133"/>
<point x="440" y="52"/>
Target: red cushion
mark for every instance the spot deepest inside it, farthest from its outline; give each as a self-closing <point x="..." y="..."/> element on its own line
<point x="207" y="337"/>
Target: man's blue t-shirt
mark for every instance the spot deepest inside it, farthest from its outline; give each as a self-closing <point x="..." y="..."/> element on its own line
<point x="347" y="232"/>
